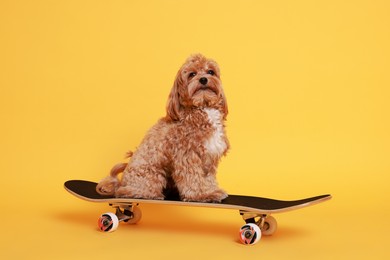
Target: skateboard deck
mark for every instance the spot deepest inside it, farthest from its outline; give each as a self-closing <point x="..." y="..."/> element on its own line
<point x="255" y="211"/>
<point x="86" y="190"/>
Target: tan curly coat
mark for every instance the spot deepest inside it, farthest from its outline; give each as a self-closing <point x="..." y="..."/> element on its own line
<point x="180" y="154"/>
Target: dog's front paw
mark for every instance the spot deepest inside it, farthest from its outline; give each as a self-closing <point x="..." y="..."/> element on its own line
<point x="214" y="197"/>
<point x="129" y="192"/>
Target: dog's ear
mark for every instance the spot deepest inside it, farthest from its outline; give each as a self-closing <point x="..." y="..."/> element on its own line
<point x="173" y="104"/>
<point x="225" y="109"/>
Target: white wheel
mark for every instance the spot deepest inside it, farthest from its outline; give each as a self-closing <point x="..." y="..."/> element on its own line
<point x="108" y="222"/>
<point x="269" y="227"/>
<point x="250" y="234"/>
<point x="136" y="215"/>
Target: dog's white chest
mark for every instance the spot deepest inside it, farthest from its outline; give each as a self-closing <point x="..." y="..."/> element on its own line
<point x="216" y="143"/>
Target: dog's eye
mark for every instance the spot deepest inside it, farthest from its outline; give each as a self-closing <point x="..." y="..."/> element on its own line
<point x="191" y="75"/>
<point x="211" y="72"/>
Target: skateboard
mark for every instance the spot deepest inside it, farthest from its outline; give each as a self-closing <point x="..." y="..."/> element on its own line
<point x="255" y="211"/>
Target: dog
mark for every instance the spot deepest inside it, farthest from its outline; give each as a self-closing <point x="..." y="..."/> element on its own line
<point x="180" y="154"/>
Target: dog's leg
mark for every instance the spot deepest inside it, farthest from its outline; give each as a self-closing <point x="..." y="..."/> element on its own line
<point x="195" y="184"/>
<point x="143" y="182"/>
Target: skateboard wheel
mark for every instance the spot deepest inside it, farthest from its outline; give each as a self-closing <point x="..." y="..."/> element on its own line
<point x="136" y="215"/>
<point x="250" y="234"/>
<point x="108" y="222"/>
<point x="269" y="227"/>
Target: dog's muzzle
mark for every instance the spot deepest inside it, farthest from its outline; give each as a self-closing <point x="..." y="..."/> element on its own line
<point x="203" y="81"/>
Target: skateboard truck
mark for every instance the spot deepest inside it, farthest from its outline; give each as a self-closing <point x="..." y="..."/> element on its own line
<point x="126" y="212"/>
<point x="265" y="222"/>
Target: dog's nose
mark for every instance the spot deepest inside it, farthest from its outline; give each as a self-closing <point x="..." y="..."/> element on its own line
<point x="203" y="81"/>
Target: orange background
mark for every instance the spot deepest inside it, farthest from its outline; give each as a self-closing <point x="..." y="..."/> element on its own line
<point x="307" y="84"/>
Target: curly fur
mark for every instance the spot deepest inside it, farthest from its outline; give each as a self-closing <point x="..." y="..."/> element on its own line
<point x="180" y="154"/>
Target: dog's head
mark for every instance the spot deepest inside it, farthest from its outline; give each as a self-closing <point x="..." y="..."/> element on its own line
<point x="197" y="85"/>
